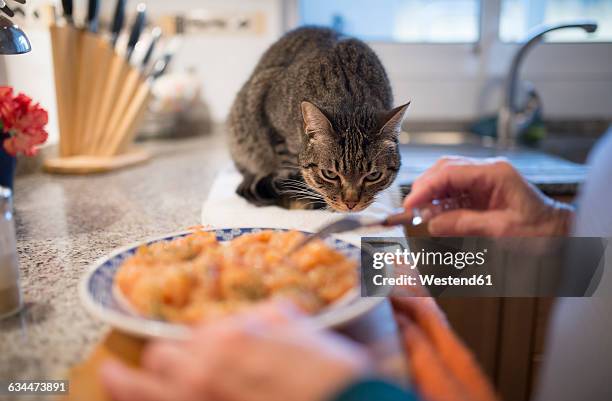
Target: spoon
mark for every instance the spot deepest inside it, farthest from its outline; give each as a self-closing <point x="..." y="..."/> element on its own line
<point x="415" y="217"/>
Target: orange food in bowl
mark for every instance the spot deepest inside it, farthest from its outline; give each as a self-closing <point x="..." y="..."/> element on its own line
<point x="196" y="278"/>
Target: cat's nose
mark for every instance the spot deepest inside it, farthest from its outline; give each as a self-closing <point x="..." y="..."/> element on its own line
<point x="350" y="204"/>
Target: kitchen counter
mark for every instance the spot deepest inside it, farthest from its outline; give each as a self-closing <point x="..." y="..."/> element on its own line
<point x="65" y="222"/>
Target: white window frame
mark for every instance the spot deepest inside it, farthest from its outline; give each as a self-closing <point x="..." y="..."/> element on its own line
<point x="459" y="82"/>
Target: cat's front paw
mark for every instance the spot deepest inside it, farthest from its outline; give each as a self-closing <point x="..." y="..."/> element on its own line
<point x="258" y="191"/>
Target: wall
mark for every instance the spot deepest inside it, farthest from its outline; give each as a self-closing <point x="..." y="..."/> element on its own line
<point x="222" y="62"/>
<point x="445" y="82"/>
<point x="462" y="85"/>
<point x="462" y="81"/>
<point x="454" y="82"/>
<point x="32" y="74"/>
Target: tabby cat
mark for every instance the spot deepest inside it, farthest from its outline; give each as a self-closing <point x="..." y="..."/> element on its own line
<point x="314" y="125"/>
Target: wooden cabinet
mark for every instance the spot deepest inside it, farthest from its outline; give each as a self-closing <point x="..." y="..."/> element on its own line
<point x="507" y="336"/>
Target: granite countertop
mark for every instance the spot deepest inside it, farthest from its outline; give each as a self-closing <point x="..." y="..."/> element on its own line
<point x="64" y="223"/>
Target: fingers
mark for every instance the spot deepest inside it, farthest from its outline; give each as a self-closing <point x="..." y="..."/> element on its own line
<point x="457" y="223"/>
<point x="237" y="333"/>
<point x="462" y="223"/>
<point x="126" y="384"/>
<point x="437" y="337"/>
<point x="425" y="313"/>
<point x="277" y="312"/>
<point x="257" y="351"/>
<point x="258" y="318"/>
<point x="273" y="312"/>
<point x="419" y="309"/>
<point x="431" y="377"/>
<point x="166" y="359"/>
<point x="456" y="175"/>
<point x="444" y="182"/>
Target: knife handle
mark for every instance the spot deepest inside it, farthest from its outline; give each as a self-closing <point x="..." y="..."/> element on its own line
<point x="67" y="6"/>
<point x="92" y="15"/>
<point x="118" y="20"/>
<point x="137" y="28"/>
<point x="6" y="9"/>
<point x="160" y="66"/>
<point x="155" y="36"/>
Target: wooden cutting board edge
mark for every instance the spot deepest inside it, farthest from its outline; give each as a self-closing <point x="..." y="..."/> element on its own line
<point x="84" y="377"/>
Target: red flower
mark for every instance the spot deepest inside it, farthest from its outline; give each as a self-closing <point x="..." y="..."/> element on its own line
<point x="23" y="121"/>
<point x="7" y="107"/>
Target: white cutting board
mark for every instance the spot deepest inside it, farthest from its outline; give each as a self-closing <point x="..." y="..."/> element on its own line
<point x="225" y="209"/>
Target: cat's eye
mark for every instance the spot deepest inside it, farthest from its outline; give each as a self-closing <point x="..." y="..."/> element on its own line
<point x="373" y="176"/>
<point x="329" y="175"/>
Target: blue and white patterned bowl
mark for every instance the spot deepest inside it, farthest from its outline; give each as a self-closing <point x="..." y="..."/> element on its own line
<point x="98" y="295"/>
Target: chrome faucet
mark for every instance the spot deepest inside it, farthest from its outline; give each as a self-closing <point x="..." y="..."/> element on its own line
<point x="507" y="127"/>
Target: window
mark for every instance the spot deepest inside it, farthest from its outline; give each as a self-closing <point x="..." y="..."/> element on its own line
<point x="519" y="16"/>
<point x="422" y="21"/>
<point x="451" y="57"/>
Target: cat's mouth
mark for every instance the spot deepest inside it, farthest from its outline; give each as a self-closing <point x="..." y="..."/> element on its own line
<point x="336" y="203"/>
<point x="350" y="208"/>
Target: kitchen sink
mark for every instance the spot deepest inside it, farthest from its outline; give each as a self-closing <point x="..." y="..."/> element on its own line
<point x="553" y="175"/>
<point x="444" y="138"/>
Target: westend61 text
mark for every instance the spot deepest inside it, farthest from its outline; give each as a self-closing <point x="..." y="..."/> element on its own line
<point x="477" y="280"/>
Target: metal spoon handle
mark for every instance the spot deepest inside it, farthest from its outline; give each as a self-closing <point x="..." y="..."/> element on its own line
<point x="423" y="214"/>
<point x="415" y="217"/>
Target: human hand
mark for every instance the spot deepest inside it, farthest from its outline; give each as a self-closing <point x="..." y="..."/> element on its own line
<point x="441" y="367"/>
<point x="270" y="354"/>
<point x="502" y="203"/>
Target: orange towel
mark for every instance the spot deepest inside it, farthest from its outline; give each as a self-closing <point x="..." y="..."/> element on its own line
<point x="441" y="366"/>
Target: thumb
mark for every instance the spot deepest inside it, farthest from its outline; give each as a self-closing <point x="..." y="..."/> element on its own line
<point x="465" y="223"/>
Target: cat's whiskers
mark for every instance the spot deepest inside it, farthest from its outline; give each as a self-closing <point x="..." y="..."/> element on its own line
<point x="299" y="190"/>
<point x="305" y="197"/>
<point x="294" y="181"/>
<point x="294" y="185"/>
<point x="306" y="204"/>
<point x="294" y="195"/>
<point x="303" y="191"/>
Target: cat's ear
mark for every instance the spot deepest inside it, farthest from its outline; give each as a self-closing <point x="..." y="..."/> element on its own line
<point x="392" y="120"/>
<point x="315" y="121"/>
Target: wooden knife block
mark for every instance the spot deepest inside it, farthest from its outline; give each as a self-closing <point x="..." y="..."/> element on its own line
<point x="101" y="101"/>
